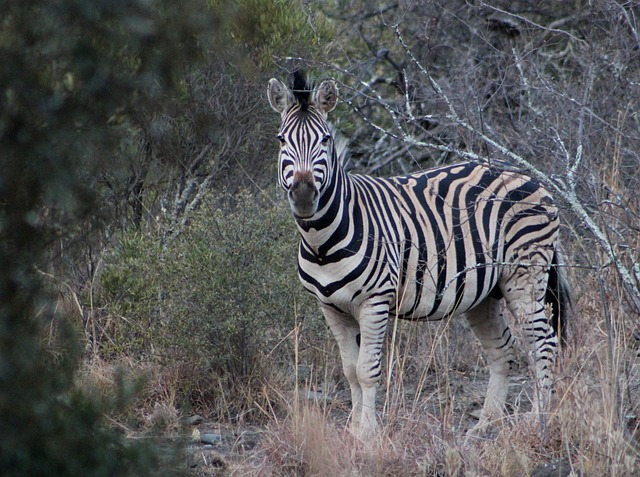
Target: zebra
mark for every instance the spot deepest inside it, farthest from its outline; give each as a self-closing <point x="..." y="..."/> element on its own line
<point x="425" y="246"/>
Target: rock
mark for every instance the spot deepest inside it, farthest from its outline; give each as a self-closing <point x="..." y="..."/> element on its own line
<point x="475" y="414"/>
<point x="210" y="438"/>
<point x="193" y="420"/>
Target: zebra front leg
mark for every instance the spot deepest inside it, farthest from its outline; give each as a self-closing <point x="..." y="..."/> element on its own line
<point x="373" y="319"/>
<point x="346" y="331"/>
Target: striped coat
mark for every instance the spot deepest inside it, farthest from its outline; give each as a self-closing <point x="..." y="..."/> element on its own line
<point x="429" y="245"/>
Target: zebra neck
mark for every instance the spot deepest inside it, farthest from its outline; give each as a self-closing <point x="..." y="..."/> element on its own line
<point x="331" y="221"/>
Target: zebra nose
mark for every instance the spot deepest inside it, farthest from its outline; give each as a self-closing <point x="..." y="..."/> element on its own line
<point x="303" y="186"/>
<point x="303" y="194"/>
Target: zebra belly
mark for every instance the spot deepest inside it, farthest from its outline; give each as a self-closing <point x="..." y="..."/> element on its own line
<point x="447" y="286"/>
<point x="421" y="294"/>
<point x="428" y="308"/>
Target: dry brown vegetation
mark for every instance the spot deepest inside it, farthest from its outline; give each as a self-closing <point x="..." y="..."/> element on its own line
<point x="436" y="380"/>
<point x="540" y="87"/>
<point x="176" y="262"/>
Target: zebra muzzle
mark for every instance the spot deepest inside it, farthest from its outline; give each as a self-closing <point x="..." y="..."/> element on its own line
<point x="303" y="195"/>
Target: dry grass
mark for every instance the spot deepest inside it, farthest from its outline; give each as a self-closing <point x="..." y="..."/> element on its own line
<point x="145" y="394"/>
<point x="436" y="377"/>
<point x="311" y="444"/>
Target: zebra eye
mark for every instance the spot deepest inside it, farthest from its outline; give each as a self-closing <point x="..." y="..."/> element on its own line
<point x="281" y="139"/>
<point x="325" y="139"/>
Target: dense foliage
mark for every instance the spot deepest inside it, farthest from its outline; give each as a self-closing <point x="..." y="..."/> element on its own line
<point x="213" y="304"/>
<point x="78" y="81"/>
<point x="136" y="147"/>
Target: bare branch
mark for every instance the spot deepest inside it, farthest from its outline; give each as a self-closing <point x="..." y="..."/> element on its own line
<point x="556" y="186"/>
<point x="552" y="28"/>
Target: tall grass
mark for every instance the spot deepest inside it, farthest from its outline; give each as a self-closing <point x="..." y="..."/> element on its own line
<point x="436" y="378"/>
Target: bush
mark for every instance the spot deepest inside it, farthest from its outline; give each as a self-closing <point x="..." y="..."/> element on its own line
<point x="51" y="427"/>
<point x="67" y="70"/>
<point x="214" y="303"/>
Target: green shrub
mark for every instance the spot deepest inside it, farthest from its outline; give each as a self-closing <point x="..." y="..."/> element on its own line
<point x="275" y="28"/>
<point x="231" y="285"/>
<point x="218" y="302"/>
<point x="129" y="290"/>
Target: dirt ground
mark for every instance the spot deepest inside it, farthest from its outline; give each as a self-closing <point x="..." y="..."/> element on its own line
<point x="238" y="449"/>
<point x="442" y="383"/>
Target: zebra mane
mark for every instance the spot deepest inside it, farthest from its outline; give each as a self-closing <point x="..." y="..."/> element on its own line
<point x="341" y="145"/>
<point x="301" y="89"/>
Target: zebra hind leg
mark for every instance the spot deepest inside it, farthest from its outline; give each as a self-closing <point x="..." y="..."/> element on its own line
<point x="524" y="293"/>
<point x="491" y="329"/>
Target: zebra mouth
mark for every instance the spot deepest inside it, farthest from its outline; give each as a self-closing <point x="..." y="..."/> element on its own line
<point x="303" y="209"/>
<point x="302" y="217"/>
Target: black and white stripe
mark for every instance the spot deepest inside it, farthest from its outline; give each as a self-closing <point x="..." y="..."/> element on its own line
<point x="429" y="245"/>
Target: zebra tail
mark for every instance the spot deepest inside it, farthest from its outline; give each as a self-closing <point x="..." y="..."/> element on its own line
<point x="558" y="295"/>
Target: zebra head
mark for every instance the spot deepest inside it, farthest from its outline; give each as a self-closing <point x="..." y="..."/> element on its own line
<point x="306" y="143"/>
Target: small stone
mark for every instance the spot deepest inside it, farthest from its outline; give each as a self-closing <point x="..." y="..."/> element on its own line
<point x="210" y="438"/>
<point x="193" y="420"/>
<point x="475" y="414"/>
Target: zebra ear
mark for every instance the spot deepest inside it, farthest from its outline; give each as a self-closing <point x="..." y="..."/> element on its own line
<point x="280" y="97"/>
<point x="326" y="96"/>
